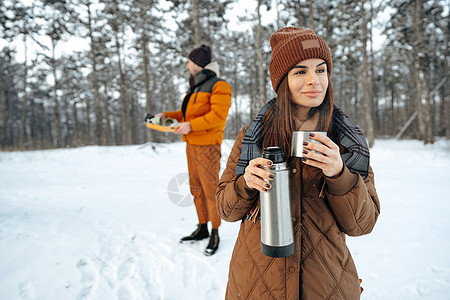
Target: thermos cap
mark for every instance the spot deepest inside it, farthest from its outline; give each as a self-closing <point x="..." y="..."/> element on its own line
<point x="275" y="154"/>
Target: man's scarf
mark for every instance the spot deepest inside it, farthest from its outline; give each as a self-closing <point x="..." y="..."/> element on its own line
<point x="195" y="82"/>
<point x="348" y="135"/>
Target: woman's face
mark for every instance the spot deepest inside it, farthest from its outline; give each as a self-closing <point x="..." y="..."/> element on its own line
<point x="308" y="83"/>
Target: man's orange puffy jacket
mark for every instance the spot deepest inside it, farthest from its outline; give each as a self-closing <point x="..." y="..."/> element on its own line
<point x="206" y="110"/>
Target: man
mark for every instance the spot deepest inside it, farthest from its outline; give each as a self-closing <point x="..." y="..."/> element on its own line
<point x="202" y="120"/>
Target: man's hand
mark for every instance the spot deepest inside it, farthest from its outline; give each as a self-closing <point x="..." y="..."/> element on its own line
<point x="162" y="116"/>
<point x="183" y="128"/>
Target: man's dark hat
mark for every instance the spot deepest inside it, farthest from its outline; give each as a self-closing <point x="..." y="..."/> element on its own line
<point x="201" y="56"/>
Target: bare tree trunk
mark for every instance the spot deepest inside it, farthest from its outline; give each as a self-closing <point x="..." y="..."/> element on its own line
<point x="410" y="102"/>
<point x="87" y="139"/>
<point x="41" y="123"/>
<point x="2" y="109"/>
<point x="356" y="95"/>
<point x="342" y="99"/>
<point x="428" y="123"/>
<point x="374" y="95"/>
<point x="393" y="120"/>
<point x="148" y="95"/>
<point x="253" y="98"/>
<point x="259" y="55"/>
<point x="108" y="130"/>
<point x="366" y="88"/>
<point x="58" y="136"/>
<point x="418" y="102"/>
<point x="446" y="104"/>
<point x="100" y="135"/>
<point x="416" y="50"/>
<point x="76" y="126"/>
<point x="278" y="14"/>
<point x="418" y="32"/>
<point x="124" y="105"/>
<point x="367" y="97"/>
<point x="33" y="127"/>
<point x="125" y="109"/>
<point x="109" y="133"/>
<point x="298" y="14"/>
<point x="237" y="106"/>
<point x="445" y="98"/>
<point x="311" y="14"/>
<point x="68" y="138"/>
<point x="195" y="22"/>
<point x="23" y="130"/>
<point x="133" y="110"/>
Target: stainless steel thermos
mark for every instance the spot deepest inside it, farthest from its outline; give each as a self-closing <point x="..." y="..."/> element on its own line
<point x="277" y="237"/>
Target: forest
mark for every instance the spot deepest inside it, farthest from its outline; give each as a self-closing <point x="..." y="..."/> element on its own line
<point x="390" y="64"/>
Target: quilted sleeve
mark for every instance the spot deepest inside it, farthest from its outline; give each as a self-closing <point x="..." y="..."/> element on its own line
<point x="353" y="201"/>
<point x="220" y="101"/>
<point x="233" y="197"/>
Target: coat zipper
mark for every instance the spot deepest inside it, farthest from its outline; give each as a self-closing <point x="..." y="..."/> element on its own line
<point x="195" y="100"/>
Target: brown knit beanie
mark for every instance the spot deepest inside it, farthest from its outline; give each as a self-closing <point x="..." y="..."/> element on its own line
<point x="201" y="56"/>
<point x="291" y="45"/>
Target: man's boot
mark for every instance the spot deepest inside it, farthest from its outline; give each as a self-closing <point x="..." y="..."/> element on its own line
<point x="213" y="243"/>
<point x="199" y="234"/>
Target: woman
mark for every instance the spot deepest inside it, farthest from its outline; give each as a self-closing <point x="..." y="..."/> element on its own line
<point x="332" y="191"/>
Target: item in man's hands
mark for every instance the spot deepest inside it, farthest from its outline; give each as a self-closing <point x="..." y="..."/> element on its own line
<point x="148" y="117"/>
<point x="170" y="122"/>
<point x="169" y="125"/>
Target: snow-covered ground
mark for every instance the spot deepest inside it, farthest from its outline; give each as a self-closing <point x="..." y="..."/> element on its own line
<point x="104" y="223"/>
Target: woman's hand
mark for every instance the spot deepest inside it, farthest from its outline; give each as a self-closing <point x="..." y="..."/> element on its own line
<point x="328" y="160"/>
<point x="254" y="174"/>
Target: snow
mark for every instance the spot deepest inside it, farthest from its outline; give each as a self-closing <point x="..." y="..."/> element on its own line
<point x="104" y="223"/>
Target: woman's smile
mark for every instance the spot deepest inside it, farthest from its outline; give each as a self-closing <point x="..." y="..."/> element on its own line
<point x="312" y="93"/>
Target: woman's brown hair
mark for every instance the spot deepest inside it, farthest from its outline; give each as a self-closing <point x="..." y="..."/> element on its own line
<point x="278" y="122"/>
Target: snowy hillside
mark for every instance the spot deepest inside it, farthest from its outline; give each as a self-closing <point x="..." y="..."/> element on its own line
<point x="104" y="223"/>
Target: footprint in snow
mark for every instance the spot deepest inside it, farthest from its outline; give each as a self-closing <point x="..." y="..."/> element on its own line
<point x="88" y="278"/>
<point x="127" y="269"/>
<point x="86" y="269"/>
<point x="84" y="292"/>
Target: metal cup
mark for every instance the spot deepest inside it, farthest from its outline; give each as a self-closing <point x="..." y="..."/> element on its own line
<point x="298" y="137"/>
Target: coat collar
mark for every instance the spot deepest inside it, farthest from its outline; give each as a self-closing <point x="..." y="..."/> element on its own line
<point x="201" y="77"/>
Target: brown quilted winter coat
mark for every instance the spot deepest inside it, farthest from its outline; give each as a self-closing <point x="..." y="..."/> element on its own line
<point x="321" y="267"/>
